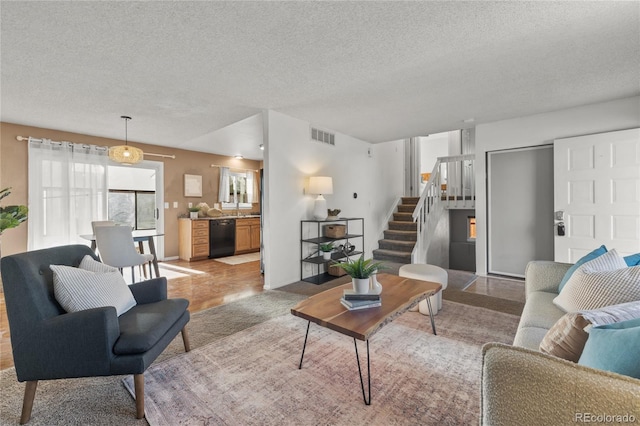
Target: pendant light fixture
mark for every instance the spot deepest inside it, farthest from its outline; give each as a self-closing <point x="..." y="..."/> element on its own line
<point x="125" y="154"/>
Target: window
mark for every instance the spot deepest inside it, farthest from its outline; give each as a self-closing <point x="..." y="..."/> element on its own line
<point x="134" y="208"/>
<point x="471" y="228"/>
<point x="240" y="192"/>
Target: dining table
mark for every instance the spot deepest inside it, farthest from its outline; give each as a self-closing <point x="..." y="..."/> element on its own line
<point x="139" y="236"/>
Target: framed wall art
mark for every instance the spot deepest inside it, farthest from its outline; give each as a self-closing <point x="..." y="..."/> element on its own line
<point x="192" y="185"/>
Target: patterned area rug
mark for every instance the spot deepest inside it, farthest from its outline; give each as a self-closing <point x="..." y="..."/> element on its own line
<point x="251" y="378"/>
<point x="240" y="258"/>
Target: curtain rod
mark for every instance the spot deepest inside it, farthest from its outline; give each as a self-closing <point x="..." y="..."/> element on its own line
<point x="236" y="168"/>
<point x="22" y="138"/>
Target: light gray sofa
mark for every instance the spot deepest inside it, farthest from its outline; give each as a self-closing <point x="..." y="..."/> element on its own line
<point x="522" y="386"/>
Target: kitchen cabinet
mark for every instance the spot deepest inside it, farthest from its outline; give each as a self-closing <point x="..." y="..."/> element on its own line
<point x="193" y="235"/>
<point x="247" y="235"/>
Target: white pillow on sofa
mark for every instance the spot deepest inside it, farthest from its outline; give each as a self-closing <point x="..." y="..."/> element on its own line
<point x="601" y="282"/>
<point x="78" y="289"/>
<point x="90" y="264"/>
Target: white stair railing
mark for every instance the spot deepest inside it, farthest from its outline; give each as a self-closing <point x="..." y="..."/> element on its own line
<point x="450" y="185"/>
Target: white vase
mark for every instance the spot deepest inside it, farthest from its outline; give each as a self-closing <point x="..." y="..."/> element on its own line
<point x="376" y="287"/>
<point x="326" y="255"/>
<point x="193" y="215"/>
<point x="360" y="285"/>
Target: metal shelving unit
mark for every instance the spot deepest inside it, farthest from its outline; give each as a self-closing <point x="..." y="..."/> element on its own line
<point x="311" y="244"/>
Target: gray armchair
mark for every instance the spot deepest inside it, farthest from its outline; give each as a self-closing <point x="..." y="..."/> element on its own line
<point x="49" y="343"/>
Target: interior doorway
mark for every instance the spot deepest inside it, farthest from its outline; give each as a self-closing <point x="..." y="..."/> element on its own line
<point x="519" y="208"/>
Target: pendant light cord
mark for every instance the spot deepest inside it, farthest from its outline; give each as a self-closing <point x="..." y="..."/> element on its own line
<point x="126" y="120"/>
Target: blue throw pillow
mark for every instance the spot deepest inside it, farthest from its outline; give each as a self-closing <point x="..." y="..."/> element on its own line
<point x="597" y="252"/>
<point x="633" y="260"/>
<point x="614" y="347"/>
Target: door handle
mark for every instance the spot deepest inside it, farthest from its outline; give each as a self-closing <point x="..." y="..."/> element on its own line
<point x="561" y="231"/>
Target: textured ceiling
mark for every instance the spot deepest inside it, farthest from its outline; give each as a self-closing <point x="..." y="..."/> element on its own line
<point x="378" y="71"/>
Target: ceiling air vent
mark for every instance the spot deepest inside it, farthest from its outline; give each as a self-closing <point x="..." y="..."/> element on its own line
<point x="322" y="136"/>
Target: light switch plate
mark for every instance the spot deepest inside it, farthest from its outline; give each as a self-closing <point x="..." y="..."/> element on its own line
<point x="175" y="204"/>
<point x="166" y="205"/>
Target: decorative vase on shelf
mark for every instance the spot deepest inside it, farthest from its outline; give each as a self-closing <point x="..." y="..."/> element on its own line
<point x="360" y="285"/>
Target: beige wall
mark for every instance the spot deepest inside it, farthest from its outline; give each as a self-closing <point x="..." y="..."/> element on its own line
<point x="14" y="173"/>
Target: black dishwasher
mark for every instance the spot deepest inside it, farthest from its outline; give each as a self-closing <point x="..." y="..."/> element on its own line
<point x="222" y="237"/>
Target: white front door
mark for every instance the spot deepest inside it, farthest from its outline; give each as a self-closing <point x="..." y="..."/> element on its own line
<point x="597" y="194"/>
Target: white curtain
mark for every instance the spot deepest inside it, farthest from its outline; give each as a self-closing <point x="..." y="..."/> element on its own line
<point x="223" y="188"/>
<point x="250" y="187"/>
<point x="67" y="190"/>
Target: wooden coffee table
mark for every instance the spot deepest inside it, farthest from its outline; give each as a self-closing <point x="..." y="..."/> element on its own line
<point x="399" y="294"/>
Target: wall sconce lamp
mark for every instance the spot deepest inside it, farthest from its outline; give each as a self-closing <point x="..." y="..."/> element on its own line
<point x="321" y="185"/>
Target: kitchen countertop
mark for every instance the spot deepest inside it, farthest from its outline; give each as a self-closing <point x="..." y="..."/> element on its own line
<point x="250" y="216"/>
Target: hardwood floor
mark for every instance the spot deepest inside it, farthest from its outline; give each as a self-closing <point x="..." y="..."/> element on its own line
<point x="500" y="287"/>
<point x="210" y="283"/>
<point x="205" y="284"/>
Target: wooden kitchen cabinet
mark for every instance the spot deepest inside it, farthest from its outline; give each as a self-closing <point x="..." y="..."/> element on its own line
<point x="193" y="239"/>
<point x="247" y="235"/>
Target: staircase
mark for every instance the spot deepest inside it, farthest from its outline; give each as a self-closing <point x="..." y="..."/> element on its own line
<point x="401" y="236"/>
<point x="451" y="185"/>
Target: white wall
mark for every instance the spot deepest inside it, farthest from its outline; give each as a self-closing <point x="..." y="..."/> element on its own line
<point x="542" y="129"/>
<point x="439" y="243"/>
<point x="291" y="157"/>
<point x="432" y="147"/>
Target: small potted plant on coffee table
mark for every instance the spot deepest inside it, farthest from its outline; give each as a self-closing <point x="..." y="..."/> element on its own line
<point x="360" y="271"/>
<point x="326" y="250"/>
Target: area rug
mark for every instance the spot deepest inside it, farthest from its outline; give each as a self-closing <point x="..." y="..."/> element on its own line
<point x="252" y="377"/>
<point x="103" y="401"/>
<point x="239" y="259"/>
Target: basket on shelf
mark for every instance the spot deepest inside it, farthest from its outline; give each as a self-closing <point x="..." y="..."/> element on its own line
<point x="335" y="231"/>
<point x="335" y="270"/>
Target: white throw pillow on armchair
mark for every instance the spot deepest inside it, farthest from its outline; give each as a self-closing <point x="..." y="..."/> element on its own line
<point x="92" y="285"/>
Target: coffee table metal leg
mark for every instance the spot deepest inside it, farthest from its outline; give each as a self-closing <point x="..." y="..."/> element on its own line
<point x="433" y="323"/>
<point x="305" y="345"/>
<point x="364" y="395"/>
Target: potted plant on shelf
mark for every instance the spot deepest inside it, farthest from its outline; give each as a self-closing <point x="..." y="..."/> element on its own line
<point x="326" y="250"/>
<point x="193" y="212"/>
<point x="361" y="271"/>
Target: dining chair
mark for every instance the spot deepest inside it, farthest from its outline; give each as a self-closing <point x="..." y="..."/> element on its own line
<point x="96" y="223"/>
<point x="115" y="245"/>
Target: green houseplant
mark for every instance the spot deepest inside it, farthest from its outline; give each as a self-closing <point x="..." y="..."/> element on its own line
<point x="11" y="216"/>
<point x="193" y="212"/>
<point x="360" y="271"/>
<point x="326" y="250"/>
